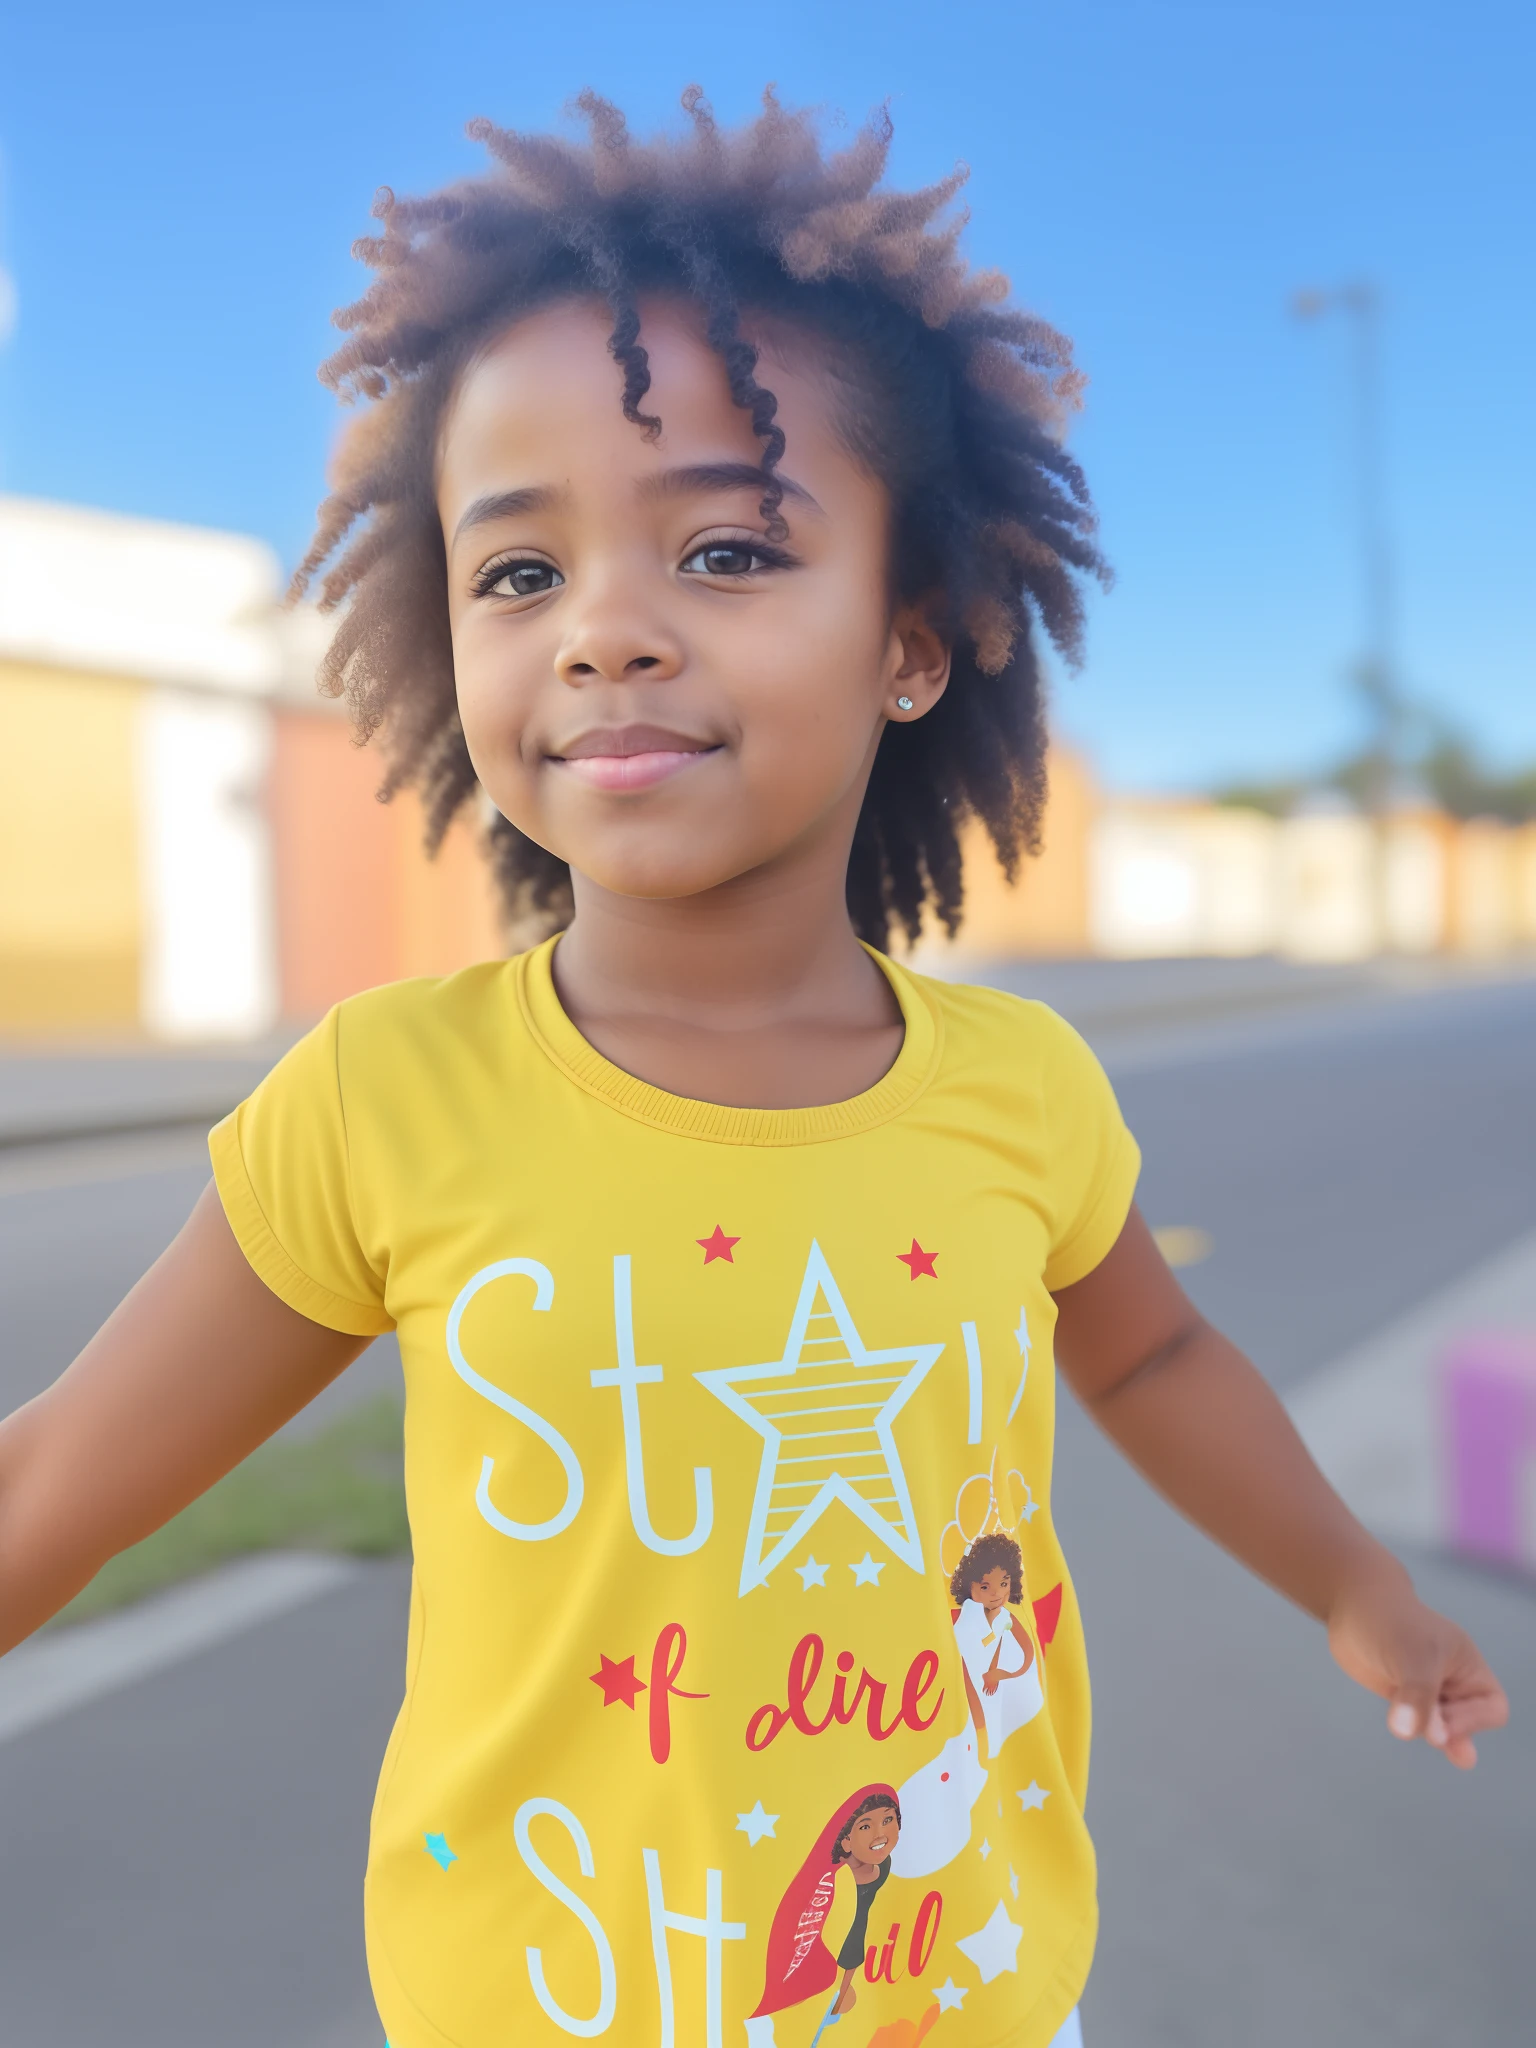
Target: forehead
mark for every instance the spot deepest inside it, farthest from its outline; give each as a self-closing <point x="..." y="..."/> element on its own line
<point x="544" y="400"/>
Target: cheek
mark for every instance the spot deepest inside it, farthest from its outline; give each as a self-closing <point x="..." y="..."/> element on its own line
<point x="495" y="686"/>
<point x="813" y="677"/>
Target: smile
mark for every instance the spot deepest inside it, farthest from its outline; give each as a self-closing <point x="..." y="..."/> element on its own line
<point x="631" y="757"/>
<point x="632" y="771"/>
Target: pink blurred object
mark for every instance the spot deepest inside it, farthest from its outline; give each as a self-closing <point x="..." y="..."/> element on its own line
<point x="1488" y="1400"/>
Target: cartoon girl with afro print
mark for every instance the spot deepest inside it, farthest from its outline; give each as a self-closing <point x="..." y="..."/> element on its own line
<point x="997" y="1651"/>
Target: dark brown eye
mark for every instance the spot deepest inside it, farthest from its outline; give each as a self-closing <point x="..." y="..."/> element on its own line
<point x="522" y="579"/>
<point x="724" y="558"/>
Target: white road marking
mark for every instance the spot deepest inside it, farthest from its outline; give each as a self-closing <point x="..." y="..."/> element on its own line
<point x="54" y="1673"/>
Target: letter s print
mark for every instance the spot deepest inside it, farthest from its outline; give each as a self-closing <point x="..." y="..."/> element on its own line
<point x="544" y="1294"/>
<point x="607" y="1982"/>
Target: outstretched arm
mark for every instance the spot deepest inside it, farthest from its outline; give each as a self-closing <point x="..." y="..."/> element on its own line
<point x="199" y="1365"/>
<point x="1206" y="1428"/>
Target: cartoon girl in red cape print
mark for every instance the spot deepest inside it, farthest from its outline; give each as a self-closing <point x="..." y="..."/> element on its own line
<point x="859" y="1838"/>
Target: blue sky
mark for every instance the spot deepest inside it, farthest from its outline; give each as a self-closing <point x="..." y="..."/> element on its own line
<point x="181" y="186"/>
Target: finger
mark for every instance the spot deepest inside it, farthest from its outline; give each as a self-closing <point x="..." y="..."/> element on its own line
<point x="1462" y="1752"/>
<point x="1472" y="1713"/>
<point x="1413" y="1705"/>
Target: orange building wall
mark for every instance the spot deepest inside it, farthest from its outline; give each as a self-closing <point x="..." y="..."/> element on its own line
<point x="358" y="902"/>
<point x="1046" y="911"/>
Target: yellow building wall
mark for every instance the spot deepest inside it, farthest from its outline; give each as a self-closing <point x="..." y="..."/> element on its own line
<point x="69" y="857"/>
<point x="1525" y="885"/>
<point x="1485" y="887"/>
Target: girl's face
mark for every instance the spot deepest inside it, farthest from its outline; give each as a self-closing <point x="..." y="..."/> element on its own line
<point x="992" y="1588"/>
<point x="873" y="1835"/>
<point x="648" y="686"/>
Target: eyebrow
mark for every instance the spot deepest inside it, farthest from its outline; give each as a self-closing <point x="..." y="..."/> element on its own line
<point x="688" y="480"/>
<point x="508" y="505"/>
<point x="718" y="477"/>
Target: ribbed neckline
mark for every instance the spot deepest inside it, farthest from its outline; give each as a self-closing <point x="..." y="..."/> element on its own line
<point x="921" y="1046"/>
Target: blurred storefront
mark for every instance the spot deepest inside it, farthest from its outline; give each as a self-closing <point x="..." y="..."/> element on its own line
<point x="1158" y="877"/>
<point x="191" y="847"/>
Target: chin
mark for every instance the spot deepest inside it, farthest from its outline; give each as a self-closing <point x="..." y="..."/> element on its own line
<point x="657" y="885"/>
<point x="670" y="873"/>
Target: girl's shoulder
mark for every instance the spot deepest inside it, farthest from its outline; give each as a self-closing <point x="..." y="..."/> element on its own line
<point x="448" y="1036"/>
<point x="984" y="1023"/>
<point x="483" y="1003"/>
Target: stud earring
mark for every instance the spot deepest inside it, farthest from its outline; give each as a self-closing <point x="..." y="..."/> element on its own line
<point x="903" y="703"/>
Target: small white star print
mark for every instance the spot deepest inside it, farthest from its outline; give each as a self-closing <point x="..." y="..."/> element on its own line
<point x="1013" y="1880"/>
<point x="995" y="1947"/>
<point x="950" y="1995"/>
<point x="1031" y="1507"/>
<point x="1022" y="1333"/>
<point x="756" y="1824"/>
<point x="812" y="1573"/>
<point x="983" y="1848"/>
<point x="1033" y="1798"/>
<point x="866" y="1572"/>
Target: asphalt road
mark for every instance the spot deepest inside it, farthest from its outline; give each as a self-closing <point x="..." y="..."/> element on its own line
<point x="183" y="1858"/>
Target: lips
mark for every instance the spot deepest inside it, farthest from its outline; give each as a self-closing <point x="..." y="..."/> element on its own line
<point x="631" y="757"/>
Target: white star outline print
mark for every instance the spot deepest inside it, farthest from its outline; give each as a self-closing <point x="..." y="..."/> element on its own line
<point x="812" y="1375"/>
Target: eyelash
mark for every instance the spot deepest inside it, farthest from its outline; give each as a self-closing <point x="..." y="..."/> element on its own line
<point x="487" y="579"/>
<point x="764" y="552"/>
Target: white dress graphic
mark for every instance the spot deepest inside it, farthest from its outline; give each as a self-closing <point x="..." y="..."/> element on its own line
<point x="1017" y="1699"/>
<point x="936" y="1805"/>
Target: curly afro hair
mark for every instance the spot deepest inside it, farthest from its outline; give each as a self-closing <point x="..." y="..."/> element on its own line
<point x="954" y="400"/>
<point x="988" y="1554"/>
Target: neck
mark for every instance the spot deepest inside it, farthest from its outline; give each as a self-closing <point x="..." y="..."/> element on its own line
<point x="773" y="945"/>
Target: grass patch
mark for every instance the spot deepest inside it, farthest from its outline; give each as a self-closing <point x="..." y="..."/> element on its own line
<point x="341" y="1489"/>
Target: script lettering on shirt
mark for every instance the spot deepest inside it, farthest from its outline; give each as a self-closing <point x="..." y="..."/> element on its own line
<point x="880" y="1964"/>
<point x="869" y="1693"/>
<point x="666" y="1668"/>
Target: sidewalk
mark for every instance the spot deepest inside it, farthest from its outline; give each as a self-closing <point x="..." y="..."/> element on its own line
<point x="48" y="1094"/>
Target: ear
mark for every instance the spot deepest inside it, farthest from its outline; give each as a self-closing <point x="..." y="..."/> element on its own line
<point x="920" y="663"/>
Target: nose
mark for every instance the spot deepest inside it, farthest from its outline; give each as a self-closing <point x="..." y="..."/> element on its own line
<point x="616" y="632"/>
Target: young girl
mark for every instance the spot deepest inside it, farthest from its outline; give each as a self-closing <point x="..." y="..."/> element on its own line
<point x="703" y="519"/>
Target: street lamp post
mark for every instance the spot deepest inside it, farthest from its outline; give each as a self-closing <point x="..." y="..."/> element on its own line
<point x="1375" y="673"/>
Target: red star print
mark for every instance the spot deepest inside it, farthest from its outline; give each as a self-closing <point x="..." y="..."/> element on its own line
<point x="919" y="1261"/>
<point x="620" y="1682"/>
<point x="717" y="1246"/>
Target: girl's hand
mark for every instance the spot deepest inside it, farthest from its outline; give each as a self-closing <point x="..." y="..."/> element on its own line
<point x="1387" y="1640"/>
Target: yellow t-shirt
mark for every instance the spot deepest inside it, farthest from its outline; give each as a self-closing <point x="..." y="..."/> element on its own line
<point x="704" y="1408"/>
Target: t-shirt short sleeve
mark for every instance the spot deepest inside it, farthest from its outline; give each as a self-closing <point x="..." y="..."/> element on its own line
<point x="281" y="1167"/>
<point x="1095" y="1161"/>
